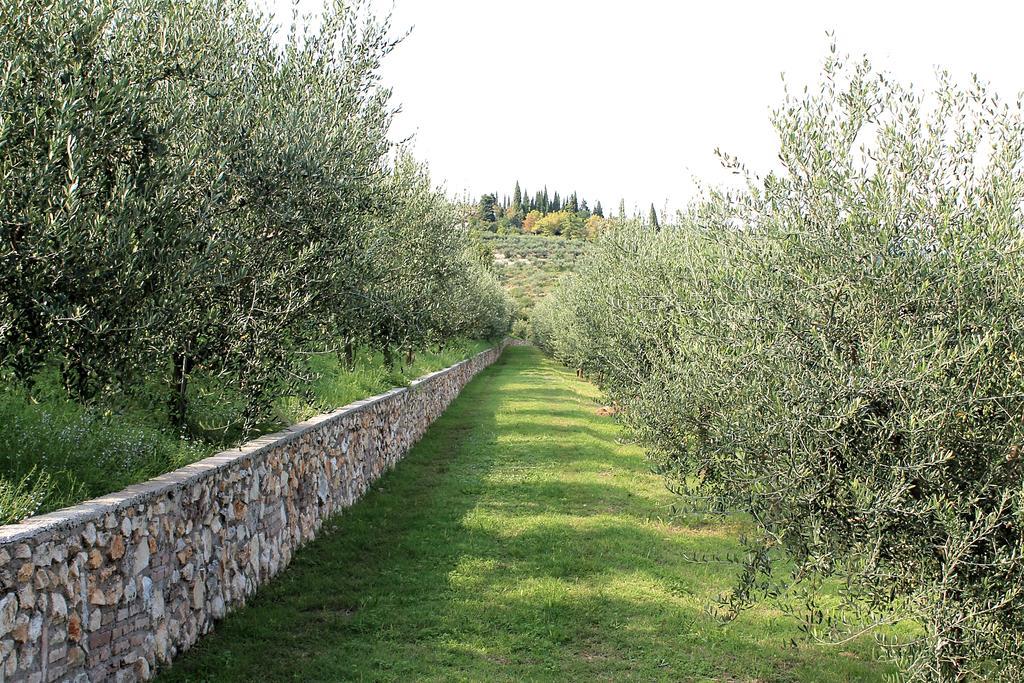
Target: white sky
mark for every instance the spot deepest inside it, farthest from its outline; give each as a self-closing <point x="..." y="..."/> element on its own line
<point x="629" y="99"/>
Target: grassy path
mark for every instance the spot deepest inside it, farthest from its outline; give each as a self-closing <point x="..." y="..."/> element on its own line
<point x="518" y="542"/>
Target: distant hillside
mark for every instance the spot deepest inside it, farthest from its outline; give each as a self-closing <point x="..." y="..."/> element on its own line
<point x="530" y="265"/>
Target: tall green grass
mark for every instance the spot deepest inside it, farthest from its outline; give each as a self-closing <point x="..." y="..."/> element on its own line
<point x="55" y="452"/>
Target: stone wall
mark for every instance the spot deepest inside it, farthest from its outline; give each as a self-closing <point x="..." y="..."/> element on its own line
<point x="109" y="589"/>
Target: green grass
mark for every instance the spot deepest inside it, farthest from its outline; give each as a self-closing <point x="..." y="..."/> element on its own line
<point x="335" y="387"/>
<point x="518" y="541"/>
<point x="55" y="452"/>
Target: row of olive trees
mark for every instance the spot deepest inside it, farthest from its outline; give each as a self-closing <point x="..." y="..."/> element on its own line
<point x="838" y="350"/>
<point x="183" y="193"/>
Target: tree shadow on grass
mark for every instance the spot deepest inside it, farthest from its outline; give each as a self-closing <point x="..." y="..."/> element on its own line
<point x="477" y="559"/>
<point x="560" y="497"/>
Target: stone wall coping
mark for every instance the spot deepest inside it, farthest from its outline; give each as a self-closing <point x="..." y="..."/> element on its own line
<point x="42" y="526"/>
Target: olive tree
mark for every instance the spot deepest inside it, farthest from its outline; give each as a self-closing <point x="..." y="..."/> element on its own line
<point x="836" y="349"/>
<point x="80" y="179"/>
<point x="187" y="199"/>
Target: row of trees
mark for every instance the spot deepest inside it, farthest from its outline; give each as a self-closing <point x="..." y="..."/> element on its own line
<point x="544" y="215"/>
<point x="520" y="203"/>
<point x="838" y="350"/>
<point x="541" y="215"/>
<point x="183" y="194"/>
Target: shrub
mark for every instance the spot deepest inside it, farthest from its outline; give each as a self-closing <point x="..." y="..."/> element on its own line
<point x="25" y="498"/>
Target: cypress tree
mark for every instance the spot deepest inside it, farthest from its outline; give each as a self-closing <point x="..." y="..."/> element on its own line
<point x="598" y="210"/>
<point x="622" y="209"/>
<point x="517" y="200"/>
<point x="556" y="203"/>
<point x="574" y="204"/>
<point x="486" y="208"/>
<point x="653" y="219"/>
<point x="545" y="203"/>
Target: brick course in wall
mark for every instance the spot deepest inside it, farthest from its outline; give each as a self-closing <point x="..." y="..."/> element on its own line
<point x="114" y="587"/>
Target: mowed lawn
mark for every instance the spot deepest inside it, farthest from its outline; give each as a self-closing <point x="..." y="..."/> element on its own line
<point x="519" y="541"/>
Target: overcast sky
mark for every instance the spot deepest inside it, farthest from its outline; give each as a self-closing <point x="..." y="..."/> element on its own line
<point x="630" y="99"/>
